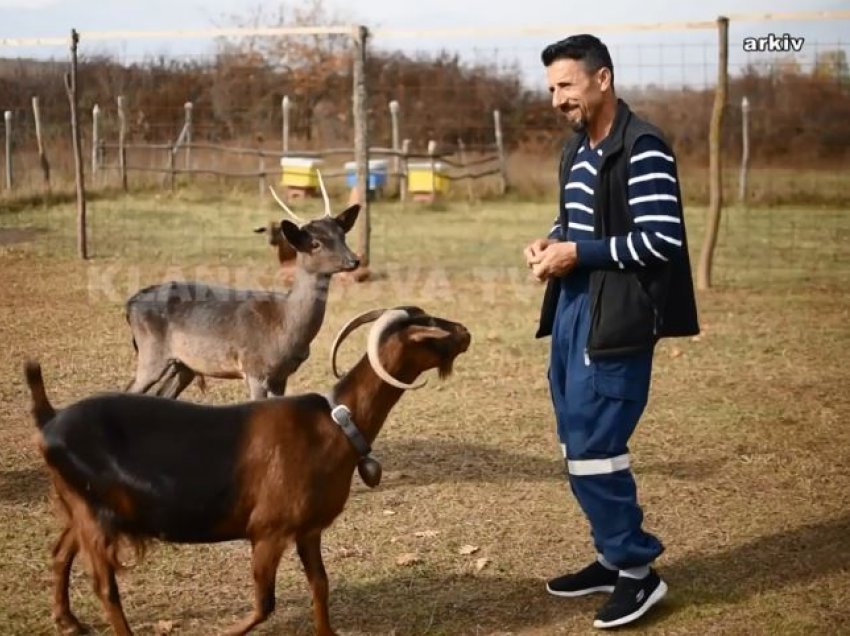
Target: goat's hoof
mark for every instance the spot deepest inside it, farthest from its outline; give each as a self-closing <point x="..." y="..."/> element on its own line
<point x="69" y="625"/>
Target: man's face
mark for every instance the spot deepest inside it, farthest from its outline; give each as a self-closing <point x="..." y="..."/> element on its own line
<point x="576" y="93"/>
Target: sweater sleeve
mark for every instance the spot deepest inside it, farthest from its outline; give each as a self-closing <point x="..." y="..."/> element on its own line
<point x="656" y="213"/>
<point x="556" y="233"/>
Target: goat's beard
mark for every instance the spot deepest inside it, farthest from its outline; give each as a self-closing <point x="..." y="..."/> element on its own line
<point x="445" y="369"/>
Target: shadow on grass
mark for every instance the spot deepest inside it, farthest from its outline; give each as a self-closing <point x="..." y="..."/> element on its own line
<point x="416" y="603"/>
<point x="427" y="461"/>
<point x="460" y="604"/>
<point x="23" y="486"/>
<point x="797" y="556"/>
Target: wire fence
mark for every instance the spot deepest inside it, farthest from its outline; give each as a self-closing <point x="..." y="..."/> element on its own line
<point x="447" y="85"/>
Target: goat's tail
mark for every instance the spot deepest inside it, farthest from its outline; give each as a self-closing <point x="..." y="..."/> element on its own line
<point x="42" y="410"/>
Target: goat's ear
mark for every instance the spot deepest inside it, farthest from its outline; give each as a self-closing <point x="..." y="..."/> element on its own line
<point x="347" y="217"/>
<point x="272" y="229"/>
<point x="297" y="238"/>
<point x="418" y="334"/>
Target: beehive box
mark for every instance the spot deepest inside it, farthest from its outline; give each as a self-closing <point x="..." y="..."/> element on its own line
<point x="427" y="177"/>
<point x="299" y="172"/>
<point x="377" y="173"/>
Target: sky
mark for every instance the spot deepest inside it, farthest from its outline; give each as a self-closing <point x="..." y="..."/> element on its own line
<point x="666" y="58"/>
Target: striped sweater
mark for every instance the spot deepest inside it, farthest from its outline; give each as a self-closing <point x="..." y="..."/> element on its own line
<point x="654" y="206"/>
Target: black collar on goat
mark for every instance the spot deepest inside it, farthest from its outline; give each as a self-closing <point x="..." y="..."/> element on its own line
<point x="274" y="472"/>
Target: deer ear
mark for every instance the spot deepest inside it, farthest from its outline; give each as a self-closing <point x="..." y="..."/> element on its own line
<point x="297" y="238"/>
<point x="419" y="334"/>
<point x="347" y="217"/>
<point x="272" y="229"/>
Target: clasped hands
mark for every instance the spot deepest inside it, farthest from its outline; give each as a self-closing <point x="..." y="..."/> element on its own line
<point x="548" y="258"/>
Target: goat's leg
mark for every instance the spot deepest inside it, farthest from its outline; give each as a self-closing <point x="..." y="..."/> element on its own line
<point x="106" y="588"/>
<point x="64" y="552"/>
<point x="256" y="387"/>
<point x="265" y="557"/>
<point x="310" y="551"/>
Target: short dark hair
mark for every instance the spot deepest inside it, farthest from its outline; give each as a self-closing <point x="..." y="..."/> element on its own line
<point x="585" y="47"/>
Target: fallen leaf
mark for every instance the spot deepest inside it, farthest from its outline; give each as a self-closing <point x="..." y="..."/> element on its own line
<point x="425" y="534"/>
<point x="675" y="352"/>
<point x="481" y="563"/>
<point x="409" y="558"/>
<point x="389" y="513"/>
<point x="468" y="549"/>
<point x="163" y="627"/>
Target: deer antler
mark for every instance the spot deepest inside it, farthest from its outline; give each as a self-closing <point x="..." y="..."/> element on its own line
<point x="324" y="193"/>
<point x="284" y="206"/>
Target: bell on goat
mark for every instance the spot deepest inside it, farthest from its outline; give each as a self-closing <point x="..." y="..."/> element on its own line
<point x="370" y="471"/>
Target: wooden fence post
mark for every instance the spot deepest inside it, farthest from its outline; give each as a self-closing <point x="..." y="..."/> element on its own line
<point x="95" y="141"/>
<point x="468" y="178"/>
<point x="432" y="150"/>
<point x="745" y="149"/>
<point x="285" y="106"/>
<point x="715" y="202"/>
<point x="122" y="151"/>
<point x="71" y="89"/>
<point x="42" y="155"/>
<point x="405" y="151"/>
<point x="394" y="110"/>
<point x="172" y="167"/>
<point x="361" y="140"/>
<point x="187" y="125"/>
<point x="500" y="147"/>
<point x="7" y="119"/>
<point x="262" y="165"/>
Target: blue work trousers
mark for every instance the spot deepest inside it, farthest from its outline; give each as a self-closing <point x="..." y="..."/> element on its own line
<point x="597" y="406"/>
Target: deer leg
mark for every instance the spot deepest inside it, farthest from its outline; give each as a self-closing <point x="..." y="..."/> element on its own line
<point x="64" y="552"/>
<point x="256" y="387"/>
<point x="177" y="381"/>
<point x="277" y="387"/>
<point x="265" y="558"/>
<point x="310" y="552"/>
<point x="149" y="371"/>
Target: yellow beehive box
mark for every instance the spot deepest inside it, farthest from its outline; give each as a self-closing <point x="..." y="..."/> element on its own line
<point x="427" y="177"/>
<point x="299" y="172"/>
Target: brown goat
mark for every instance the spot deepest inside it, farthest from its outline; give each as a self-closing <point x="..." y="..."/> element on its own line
<point x="275" y="472"/>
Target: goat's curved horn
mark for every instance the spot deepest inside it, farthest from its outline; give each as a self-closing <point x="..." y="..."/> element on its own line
<point x="351" y="325"/>
<point x="324" y="193"/>
<point x="284" y="206"/>
<point x="384" y="322"/>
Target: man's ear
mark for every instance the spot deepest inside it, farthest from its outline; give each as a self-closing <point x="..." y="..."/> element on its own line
<point x="295" y="236"/>
<point x="419" y="334"/>
<point x="605" y="78"/>
<point x="347" y="217"/>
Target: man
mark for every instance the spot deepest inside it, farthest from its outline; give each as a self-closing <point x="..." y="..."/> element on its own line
<point x="619" y="279"/>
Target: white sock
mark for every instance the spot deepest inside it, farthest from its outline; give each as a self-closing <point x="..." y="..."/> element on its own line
<point x="636" y="573"/>
<point x="605" y="563"/>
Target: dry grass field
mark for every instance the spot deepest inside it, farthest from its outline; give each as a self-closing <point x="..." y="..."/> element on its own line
<point x="742" y="458"/>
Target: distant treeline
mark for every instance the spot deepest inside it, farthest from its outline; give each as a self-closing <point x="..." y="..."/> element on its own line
<point x="797" y="118"/>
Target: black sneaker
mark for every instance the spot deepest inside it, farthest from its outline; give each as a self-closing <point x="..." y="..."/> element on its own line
<point x="632" y="598"/>
<point x="594" y="578"/>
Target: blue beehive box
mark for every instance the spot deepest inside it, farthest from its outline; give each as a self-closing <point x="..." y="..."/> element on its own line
<point x="377" y="174"/>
